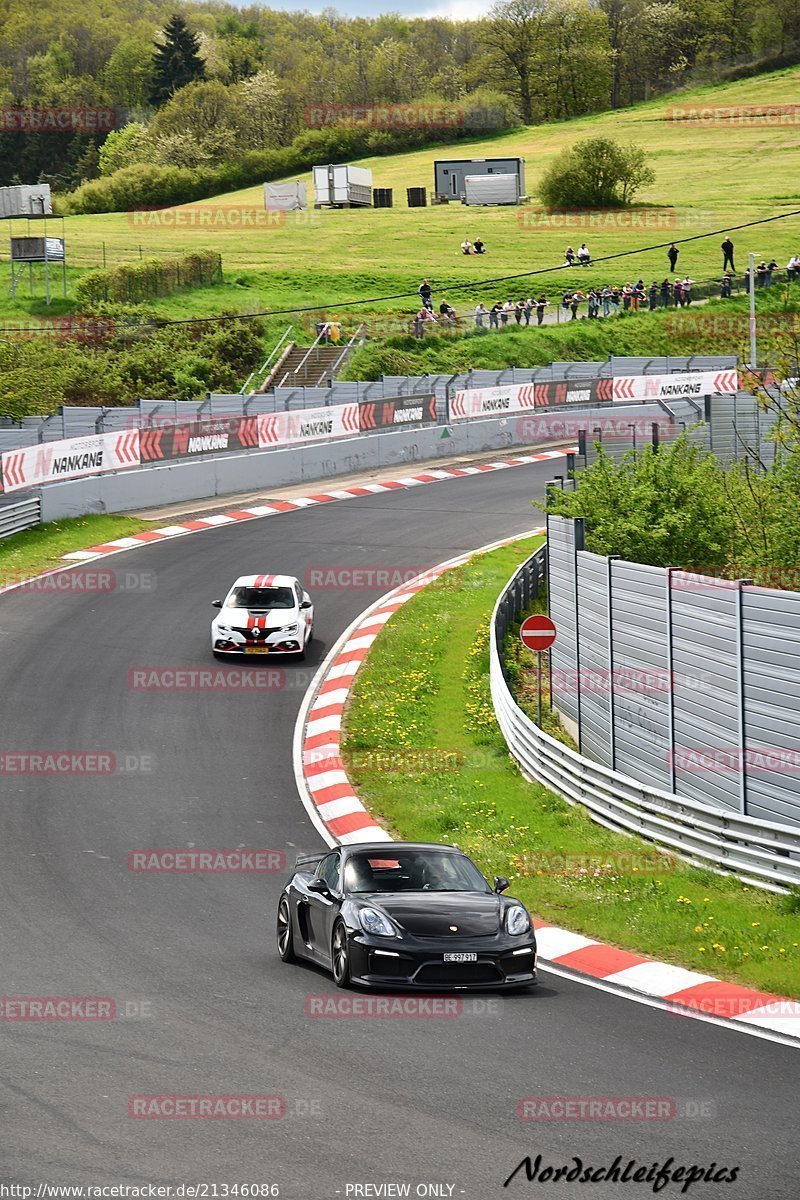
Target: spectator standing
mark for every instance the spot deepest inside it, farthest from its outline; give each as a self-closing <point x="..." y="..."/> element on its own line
<point x="508" y="308"/>
<point x="761" y="274"/>
<point x="793" y="267"/>
<point x="677" y="293"/>
<point x="666" y="288"/>
<point x="686" y="290"/>
<point x="652" y="295"/>
<point x="480" y="313"/>
<point x="627" y="293"/>
<point x="727" y="254"/>
<point x="574" y="302"/>
<point x="607" y="296"/>
<point x="494" y="313"/>
<point x="529" y="306"/>
<point x="594" y="305"/>
<point x="672" y="255"/>
<point x="541" y="305"/>
<point x="725" y="287"/>
<point x="424" y="314"/>
<point x="424" y="291"/>
<point x="771" y="266"/>
<point x="519" y="309"/>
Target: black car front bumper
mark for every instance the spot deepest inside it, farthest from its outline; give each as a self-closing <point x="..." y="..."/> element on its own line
<point x="419" y="963"/>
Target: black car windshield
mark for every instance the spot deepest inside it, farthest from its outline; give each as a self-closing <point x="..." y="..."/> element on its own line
<point x="262" y="597"/>
<point x="412" y="871"/>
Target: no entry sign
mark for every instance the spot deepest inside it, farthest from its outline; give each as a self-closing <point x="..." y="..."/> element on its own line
<point x="537" y="633"/>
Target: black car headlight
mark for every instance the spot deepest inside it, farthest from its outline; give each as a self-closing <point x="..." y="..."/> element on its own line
<point x="375" y="922"/>
<point x="517" y="920"/>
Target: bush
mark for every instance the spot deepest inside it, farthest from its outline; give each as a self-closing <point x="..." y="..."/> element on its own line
<point x="666" y="507"/>
<point x="595" y="173"/>
<point x="135" y="282"/>
<point x="147" y="183"/>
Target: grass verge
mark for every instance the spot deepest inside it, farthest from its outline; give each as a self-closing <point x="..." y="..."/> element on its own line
<point x="426" y="756"/>
<point x="34" y="550"/>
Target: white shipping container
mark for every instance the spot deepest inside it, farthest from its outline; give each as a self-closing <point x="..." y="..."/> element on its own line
<point x="342" y="184"/>
<point x="491" y="189"/>
<point x="285" y="197"/>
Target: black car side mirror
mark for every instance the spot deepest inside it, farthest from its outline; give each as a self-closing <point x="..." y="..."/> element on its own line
<point x="305" y="604"/>
<point x="501" y="884"/>
<point x="216" y="604"/>
<point x="319" y="885"/>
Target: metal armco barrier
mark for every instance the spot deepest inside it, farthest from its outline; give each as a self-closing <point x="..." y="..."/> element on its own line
<point x="756" y="851"/>
<point x="19" y="515"/>
<point x="402" y="410"/>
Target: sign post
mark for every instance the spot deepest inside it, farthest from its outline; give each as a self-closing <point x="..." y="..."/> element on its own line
<point x="538" y="633"/>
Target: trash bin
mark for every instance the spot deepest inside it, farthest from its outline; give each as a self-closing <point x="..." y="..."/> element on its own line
<point x="382" y="198"/>
<point x="417" y="197"/>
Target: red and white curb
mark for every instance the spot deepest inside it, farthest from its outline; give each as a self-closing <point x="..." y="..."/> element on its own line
<point x="200" y="524"/>
<point x="340" y="817"/>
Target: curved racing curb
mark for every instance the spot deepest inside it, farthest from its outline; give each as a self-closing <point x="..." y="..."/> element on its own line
<point x="198" y="525"/>
<point x="339" y="815"/>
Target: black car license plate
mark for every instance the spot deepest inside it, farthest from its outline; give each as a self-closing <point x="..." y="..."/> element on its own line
<point x="459" y="956"/>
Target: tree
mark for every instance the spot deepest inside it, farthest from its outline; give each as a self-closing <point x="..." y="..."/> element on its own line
<point x="261" y="98"/>
<point x="512" y="32"/>
<point x="176" y="61"/>
<point x="208" y="115"/>
<point x="124" y="147"/>
<point x="595" y="173"/>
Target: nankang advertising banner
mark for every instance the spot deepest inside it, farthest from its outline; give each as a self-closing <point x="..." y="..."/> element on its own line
<point x="307" y="425"/>
<point x="47" y="462"/>
<point x="691" y="384"/>
<point x="397" y="411"/>
<point x="190" y="438"/>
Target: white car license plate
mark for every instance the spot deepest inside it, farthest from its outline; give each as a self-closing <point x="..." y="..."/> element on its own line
<point x="461" y="957"/>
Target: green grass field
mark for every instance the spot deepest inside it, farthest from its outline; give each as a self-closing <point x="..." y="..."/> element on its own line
<point x="426" y="755"/>
<point x="708" y="176"/>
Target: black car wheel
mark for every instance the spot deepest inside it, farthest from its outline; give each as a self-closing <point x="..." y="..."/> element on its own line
<point x="285" y="938"/>
<point x="340" y="956"/>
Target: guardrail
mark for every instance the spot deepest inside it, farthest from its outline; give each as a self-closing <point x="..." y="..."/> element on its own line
<point x="19" y="515"/>
<point x="758" y="852"/>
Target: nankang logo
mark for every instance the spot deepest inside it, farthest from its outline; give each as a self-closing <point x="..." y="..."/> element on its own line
<point x="309" y="429"/>
<point x="496" y="405"/>
<point x="213" y="441"/>
<point x="69" y="463"/>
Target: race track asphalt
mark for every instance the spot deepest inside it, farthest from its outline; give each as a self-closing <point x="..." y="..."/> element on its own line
<point x="369" y="1101"/>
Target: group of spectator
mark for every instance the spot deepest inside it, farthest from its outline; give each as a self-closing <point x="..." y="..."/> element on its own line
<point x="600" y="301"/>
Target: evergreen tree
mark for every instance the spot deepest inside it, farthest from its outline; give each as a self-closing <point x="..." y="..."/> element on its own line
<point x="176" y="61"/>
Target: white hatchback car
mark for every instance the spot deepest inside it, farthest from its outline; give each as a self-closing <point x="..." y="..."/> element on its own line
<point x="263" y="614"/>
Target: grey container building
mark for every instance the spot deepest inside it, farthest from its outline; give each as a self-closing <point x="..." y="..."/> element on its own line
<point x="449" y="174"/>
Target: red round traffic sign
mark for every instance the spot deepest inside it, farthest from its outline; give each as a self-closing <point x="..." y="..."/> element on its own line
<point x="537" y="633"/>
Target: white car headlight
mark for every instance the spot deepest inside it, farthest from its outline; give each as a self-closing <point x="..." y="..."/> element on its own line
<point x="517" y="920"/>
<point x="224" y="629"/>
<point x="286" y="629"/>
<point x="375" y="922"/>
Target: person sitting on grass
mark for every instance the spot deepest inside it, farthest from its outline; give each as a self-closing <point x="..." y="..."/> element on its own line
<point x="466" y="246"/>
<point x="584" y="257"/>
<point x="569" y="256"/>
<point x="448" y="313"/>
<point x="478" y="247"/>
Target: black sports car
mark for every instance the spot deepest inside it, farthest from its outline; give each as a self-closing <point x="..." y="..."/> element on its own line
<point x="404" y="914"/>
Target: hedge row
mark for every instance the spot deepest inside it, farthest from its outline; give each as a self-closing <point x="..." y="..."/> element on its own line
<point x="134" y="282"/>
<point x="482" y="113"/>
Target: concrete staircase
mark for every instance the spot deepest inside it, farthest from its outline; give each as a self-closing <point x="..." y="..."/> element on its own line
<point x="302" y="367"/>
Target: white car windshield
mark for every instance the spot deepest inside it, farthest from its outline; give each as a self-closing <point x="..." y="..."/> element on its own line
<point x="262" y="597"/>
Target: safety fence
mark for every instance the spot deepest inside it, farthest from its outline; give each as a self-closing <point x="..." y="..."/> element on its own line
<point x="757" y="850"/>
<point x="17" y="515"/>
